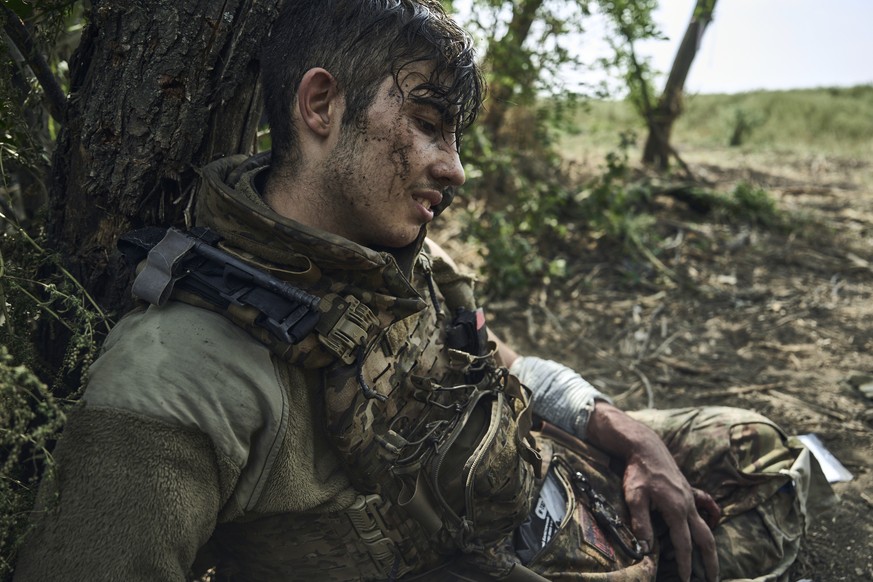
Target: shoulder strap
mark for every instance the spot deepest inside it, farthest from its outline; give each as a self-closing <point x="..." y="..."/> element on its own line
<point x="176" y="264"/>
<point x="456" y="287"/>
<point x="467" y="331"/>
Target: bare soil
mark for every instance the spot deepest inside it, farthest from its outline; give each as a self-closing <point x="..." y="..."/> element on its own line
<point x="775" y="320"/>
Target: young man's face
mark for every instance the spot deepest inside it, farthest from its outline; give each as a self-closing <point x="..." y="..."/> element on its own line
<point x="390" y="168"/>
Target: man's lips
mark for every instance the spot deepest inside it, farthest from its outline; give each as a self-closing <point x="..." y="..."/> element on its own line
<point x="428" y="198"/>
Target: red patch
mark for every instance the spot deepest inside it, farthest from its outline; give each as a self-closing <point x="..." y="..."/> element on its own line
<point x="480" y="318"/>
<point x="592" y="534"/>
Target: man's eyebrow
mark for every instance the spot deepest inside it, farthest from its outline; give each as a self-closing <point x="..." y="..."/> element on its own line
<point x="447" y="112"/>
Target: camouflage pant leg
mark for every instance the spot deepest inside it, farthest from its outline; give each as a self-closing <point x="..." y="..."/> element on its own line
<point x="762" y="481"/>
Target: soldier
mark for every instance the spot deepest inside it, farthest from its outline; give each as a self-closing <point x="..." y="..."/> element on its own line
<point x="308" y="391"/>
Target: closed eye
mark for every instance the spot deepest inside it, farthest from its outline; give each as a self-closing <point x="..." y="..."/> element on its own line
<point x="426" y="126"/>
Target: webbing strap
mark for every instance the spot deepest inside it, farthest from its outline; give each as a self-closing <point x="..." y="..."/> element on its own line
<point x="420" y="507"/>
<point x="193" y="263"/>
<point x="155" y="283"/>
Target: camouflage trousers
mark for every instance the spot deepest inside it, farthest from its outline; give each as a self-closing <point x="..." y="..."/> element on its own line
<point x="766" y="484"/>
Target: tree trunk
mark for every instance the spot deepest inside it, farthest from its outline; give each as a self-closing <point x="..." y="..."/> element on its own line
<point x="159" y="88"/>
<point x="508" y="63"/>
<point x="509" y="68"/>
<point x="657" y="150"/>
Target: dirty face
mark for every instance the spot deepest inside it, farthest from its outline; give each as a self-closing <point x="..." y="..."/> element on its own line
<point x="392" y="165"/>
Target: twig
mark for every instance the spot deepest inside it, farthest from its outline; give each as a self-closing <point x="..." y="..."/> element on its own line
<point x="624" y="395"/>
<point x="688" y="173"/>
<point x="656" y="262"/>
<point x="3" y="309"/>
<point x="798" y="401"/>
<point x="592" y="347"/>
<point x="20" y="37"/>
<point x="6" y="208"/>
<point x="683" y="366"/>
<point x="679" y="225"/>
<point x="107" y="322"/>
<point x="664" y="345"/>
<point x="531" y="325"/>
<point x="645" y="347"/>
<point x="735" y="390"/>
<point x="650" y="393"/>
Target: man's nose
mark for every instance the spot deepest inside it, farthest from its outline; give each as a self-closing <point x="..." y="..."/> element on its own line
<point x="448" y="168"/>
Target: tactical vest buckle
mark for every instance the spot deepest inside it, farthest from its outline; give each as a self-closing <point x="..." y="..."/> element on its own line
<point x="346" y="327"/>
<point x="366" y="519"/>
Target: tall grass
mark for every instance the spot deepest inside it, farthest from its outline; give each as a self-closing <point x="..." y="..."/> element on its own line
<point x="831" y="121"/>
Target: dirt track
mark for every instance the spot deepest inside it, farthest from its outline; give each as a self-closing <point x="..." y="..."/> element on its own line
<point x="775" y="322"/>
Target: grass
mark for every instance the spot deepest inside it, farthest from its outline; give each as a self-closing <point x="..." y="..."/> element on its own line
<point x="827" y="121"/>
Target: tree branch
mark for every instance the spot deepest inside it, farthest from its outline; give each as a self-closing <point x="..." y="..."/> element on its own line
<point x="20" y="37"/>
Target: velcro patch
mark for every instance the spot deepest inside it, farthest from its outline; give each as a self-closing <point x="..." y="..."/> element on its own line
<point x="592" y="534"/>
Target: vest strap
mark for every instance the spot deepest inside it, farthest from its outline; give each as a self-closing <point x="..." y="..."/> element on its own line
<point x="173" y="260"/>
<point x="365" y="515"/>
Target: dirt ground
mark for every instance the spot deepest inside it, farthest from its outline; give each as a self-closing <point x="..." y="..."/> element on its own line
<point x="781" y="323"/>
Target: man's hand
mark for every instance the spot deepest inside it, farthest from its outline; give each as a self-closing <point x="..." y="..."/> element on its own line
<point x="653" y="482"/>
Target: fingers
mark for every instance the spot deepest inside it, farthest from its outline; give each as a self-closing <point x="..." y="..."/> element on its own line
<point x="688" y="534"/>
<point x="705" y="542"/>
<point x="641" y="520"/>
<point x="680" y="535"/>
<point x="706" y="507"/>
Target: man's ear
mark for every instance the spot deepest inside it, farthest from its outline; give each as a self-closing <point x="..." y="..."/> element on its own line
<point x="318" y="100"/>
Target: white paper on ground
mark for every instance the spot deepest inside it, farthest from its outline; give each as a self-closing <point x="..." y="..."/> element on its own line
<point x="833" y="470"/>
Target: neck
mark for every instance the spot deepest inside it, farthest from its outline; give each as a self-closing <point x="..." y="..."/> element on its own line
<point x="292" y="196"/>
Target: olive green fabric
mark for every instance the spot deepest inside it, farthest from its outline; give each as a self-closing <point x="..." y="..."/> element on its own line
<point x="170" y="363"/>
<point x="107" y="518"/>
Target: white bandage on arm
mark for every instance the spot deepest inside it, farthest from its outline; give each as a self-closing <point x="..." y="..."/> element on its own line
<point x="560" y="395"/>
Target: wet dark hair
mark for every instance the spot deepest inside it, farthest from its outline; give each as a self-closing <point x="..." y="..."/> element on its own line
<point x="361" y="43"/>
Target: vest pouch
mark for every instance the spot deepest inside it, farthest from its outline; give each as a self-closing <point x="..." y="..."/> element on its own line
<point x="552" y="511"/>
<point x="479" y="476"/>
<point x="562" y="538"/>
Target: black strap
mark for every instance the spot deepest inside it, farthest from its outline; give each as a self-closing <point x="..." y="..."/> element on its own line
<point x="192" y="262"/>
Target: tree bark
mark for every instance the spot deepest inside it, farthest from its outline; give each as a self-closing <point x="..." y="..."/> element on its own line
<point x="158" y="88"/>
<point x="657" y="151"/>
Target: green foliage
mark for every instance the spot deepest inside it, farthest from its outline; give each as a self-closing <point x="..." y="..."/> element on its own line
<point x="524" y="192"/>
<point x="752" y="205"/>
<point x="829" y="121"/>
<point x="741" y="124"/>
<point x="514" y="169"/>
<point x="631" y="22"/>
<point x="20" y="146"/>
<point x="35" y="288"/>
<point x="30" y="419"/>
<point x="527" y="44"/>
<point x="615" y="207"/>
<point x="30" y="416"/>
<point x="27" y="131"/>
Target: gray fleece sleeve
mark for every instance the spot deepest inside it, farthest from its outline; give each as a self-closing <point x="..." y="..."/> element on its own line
<point x="560" y="395"/>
